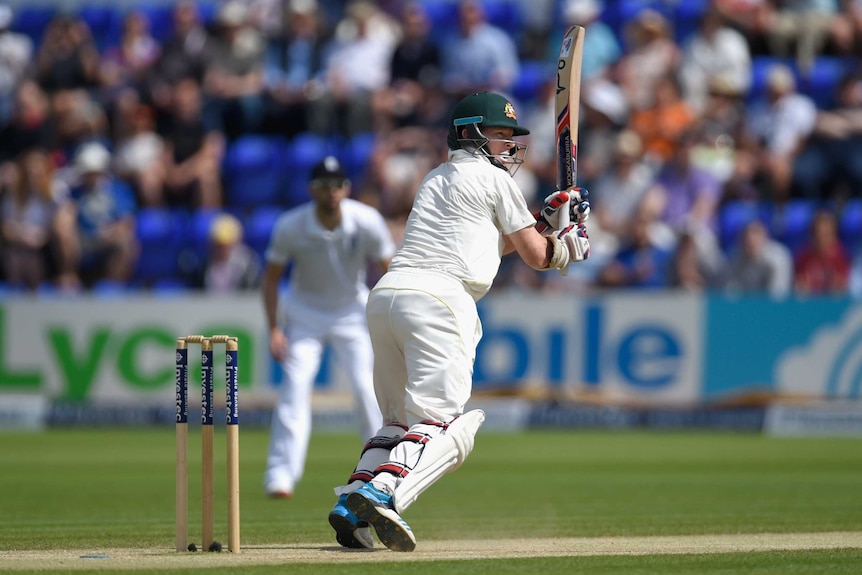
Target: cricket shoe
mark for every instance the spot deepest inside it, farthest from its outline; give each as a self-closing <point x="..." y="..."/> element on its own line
<point x="350" y="531"/>
<point x="374" y="506"/>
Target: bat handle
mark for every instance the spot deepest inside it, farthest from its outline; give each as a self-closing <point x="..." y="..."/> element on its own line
<point x="564" y="223"/>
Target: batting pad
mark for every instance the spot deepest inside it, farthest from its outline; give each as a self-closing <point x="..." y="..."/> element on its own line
<point x="441" y="455"/>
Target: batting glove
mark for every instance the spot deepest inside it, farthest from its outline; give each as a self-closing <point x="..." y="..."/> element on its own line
<point x="580" y="205"/>
<point x="570" y="245"/>
<point x="548" y="218"/>
<point x="577" y="241"/>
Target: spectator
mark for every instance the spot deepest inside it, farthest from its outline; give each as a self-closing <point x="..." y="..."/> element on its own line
<point x="98" y="225"/>
<point x="538" y="20"/>
<point x="823" y="265"/>
<point x="413" y="95"/>
<point x="478" y="56"/>
<point x="29" y="212"/>
<point x="127" y="64"/>
<point x="686" y="196"/>
<point x="650" y="56"/>
<point x="617" y="195"/>
<point x="828" y="166"/>
<point x="16" y="52"/>
<point x="604" y="114"/>
<point x="758" y="265"/>
<point x="292" y="66"/>
<point x="778" y="131"/>
<point x="233" y="81"/>
<point x="809" y="27"/>
<point x="641" y="262"/>
<point x="602" y="50"/>
<point x="689" y="269"/>
<point x="853" y="10"/>
<point x="140" y="152"/>
<point x="540" y="164"/>
<point x="716" y="53"/>
<point x="67" y="58"/>
<point x="32" y="124"/>
<point x="79" y="118"/>
<point x="357" y="64"/>
<point x="720" y="131"/>
<point x="661" y="124"/>
<point x="752" y="18"/>
<point x="231" y="264"/>
<point x="183" y="55"/>
<point x="193" y="152"/>
<point x="396" y="168"/>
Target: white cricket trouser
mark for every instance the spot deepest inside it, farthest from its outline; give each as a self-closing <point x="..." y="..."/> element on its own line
<point x="307" y="331"/>
<point x="425" y="329"/>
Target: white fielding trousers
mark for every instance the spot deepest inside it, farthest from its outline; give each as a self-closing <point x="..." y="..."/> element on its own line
<point x="307" y="331"/>
<point x="425" y="329"/>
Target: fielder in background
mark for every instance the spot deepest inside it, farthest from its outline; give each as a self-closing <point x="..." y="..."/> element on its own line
<point x="331" y="241"/>
<point x="467" y="214"/>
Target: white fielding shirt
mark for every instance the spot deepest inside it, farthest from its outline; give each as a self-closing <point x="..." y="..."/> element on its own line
<point x="329" y="266"/>
<point x="459" y="213"/>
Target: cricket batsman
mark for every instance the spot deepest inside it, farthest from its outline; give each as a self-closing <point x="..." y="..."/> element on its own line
<point x="422" y="317"/>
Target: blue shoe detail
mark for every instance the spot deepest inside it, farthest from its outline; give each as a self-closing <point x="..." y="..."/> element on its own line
<point x="376" y="507"/>
<point x="345" y="524"/>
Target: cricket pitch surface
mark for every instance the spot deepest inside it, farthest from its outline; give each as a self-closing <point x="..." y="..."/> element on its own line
<point x="169" y="559"/>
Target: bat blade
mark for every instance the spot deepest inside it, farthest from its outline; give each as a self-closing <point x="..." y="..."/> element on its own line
<point x="567" y="109"/>
<point x="567" y="106"/>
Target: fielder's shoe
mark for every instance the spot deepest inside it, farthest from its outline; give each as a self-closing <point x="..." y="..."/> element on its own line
<point x="280" y="494"/>
<point x="375" y="506"/>
<point x="349" y="530"/>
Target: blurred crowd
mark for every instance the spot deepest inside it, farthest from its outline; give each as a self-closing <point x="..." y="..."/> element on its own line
<point x="721" y="140"/>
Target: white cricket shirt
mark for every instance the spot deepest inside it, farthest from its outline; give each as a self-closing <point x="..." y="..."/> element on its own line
<point x="329" y="266"/>
<point x="459" y="213"/>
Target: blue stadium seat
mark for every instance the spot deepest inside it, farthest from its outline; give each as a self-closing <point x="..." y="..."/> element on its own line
<point x="33" y="20"/>
<point x="442" y="14"/>
<point x="791" y="222"/>
<point x="251" y="172"/>
<point x="504" y="14"/>
<point x="850" y="224"/>
<point x="531" y="76"/>
<point x="258" y="228"/>
<point x="105" y="22"/>
<point x="686" y="18"/>
<point x="161" y="234"/>
<point x="300" y="155"/>
<point x="105" y="288"/>
<point x="733" y="217"/>
<point x="356" y="153"/>
<point x="820" y="82"/>
<point x="160" y="15"/>
<point x="208" y="12"/>
<point x="170" y="287"/>
<point x="198" y="231"/>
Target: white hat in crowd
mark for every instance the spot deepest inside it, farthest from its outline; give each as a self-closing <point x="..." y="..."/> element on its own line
<point x="92" y="157"/>
<point x="607" y="98"/>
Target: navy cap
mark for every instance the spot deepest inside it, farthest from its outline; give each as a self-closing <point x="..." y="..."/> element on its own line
<point x="328" y="169"/>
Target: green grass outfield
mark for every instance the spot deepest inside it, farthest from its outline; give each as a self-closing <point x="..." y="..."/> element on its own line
<point x="606" y="495"/>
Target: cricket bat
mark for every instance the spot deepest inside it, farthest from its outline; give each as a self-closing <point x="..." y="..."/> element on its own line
<point x="567" y="109"/>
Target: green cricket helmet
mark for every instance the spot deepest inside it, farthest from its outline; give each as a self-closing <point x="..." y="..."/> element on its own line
<point x="482" y="109"/>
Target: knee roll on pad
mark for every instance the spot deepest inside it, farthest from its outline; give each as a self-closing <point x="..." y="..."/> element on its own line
<point x="440" y="455"/>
